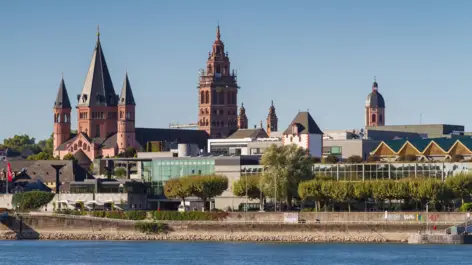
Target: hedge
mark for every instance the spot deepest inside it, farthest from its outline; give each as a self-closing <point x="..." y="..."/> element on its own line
<point x="31" y="200"/>
<point x="184" y="216"/>
<point x="151" y="227"/>
<point x="131" y="215"/>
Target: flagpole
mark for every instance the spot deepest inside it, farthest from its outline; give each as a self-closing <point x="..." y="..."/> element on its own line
<point x="7" y="171"/>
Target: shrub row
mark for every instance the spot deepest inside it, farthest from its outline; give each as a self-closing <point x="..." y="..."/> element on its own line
<point x="184" y="216"/>
<point x="31" y="200"/>
<point x="152" y="227"/>
<point x="131" y="215"/>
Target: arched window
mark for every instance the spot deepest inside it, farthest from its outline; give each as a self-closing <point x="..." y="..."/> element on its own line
<point x="380" y="118"/>
<point x="84" y="146"/>
<point x="66" y="118"/>
<point x="121" y="114"/>
<point x="202" y="97"/>
<point x="207" y="97"/>
<point x="55" y="118"/>
<point x="374" y="118"/>
<point x="218" y="70"/>
<point x="58" y="118"/>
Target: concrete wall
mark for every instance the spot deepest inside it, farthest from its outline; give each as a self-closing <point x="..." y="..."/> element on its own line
<point x="419" y="217"/>
<point x="128" y="201"/>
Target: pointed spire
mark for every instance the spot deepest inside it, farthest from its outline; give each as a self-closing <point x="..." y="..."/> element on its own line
<point x="261" y="125"/>
<point x="126" y="97"/>
<point x="62" y="98"/>
<point x="218" y="34"/>
<point x="98" y="88"/>
<point x="272" y="103"/>
<point x="98" y="31"/>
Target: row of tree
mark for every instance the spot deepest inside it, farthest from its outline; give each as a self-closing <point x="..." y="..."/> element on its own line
<point x="203" y="187"/>
<point x="27" y="146"/>
<point x="419" y="190"/>
<point x="288" y="175"/>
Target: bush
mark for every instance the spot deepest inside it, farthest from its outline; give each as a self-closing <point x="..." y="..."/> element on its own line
<point x="331" y="159"/>
<point x="189" y="216"/>
<point x="354" y="159"/>
<point x="31" y="200"/>
<point x="466" y="207"/>
<point x="152" y="227"/>
<point x="135" y="215"/>
<point x="120" y="172"/>
<point x="70" y="212"/>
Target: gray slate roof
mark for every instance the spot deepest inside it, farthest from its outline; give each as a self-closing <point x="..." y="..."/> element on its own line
<point x="126" y="97"/>
<point x="306" y="124"/>
<point x="62" y="98"/>
<point x="98" y="88"/>
<point x="43" y="171"/>
<point x="375" y="100"/>
<point x="248" y="133"/>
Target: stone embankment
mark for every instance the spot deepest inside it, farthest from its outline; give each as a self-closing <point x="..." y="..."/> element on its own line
<point x="195" y="237"/>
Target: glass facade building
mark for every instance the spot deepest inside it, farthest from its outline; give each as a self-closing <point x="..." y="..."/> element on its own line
<point x="158" y="171"/>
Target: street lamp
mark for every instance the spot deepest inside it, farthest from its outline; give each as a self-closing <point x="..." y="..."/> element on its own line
<point x="427" y="218"/>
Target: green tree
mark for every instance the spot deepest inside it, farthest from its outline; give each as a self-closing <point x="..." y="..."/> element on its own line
<point x="179" y="188"/>
<point x="311" y="189"/>
<point x="40" y="156"/>
<point x="250" y="184"/>
<point x="69" y="156"/>
<point x="120" y="172"/>
<point x="363" y="192"/>
<point x="47" y="145"/>
<point x="342" y="191"/>
<point x="207" y="187"/>
<point x="19" y="143"/>
<point x="379" y="191"/>
<point x="354" y="159"/>
<point x="460" y="185"/>
<point x="285" y="167"/>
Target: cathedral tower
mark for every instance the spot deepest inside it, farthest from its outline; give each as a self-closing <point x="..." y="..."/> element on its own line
<point x="242" y="118"/>
<point x="218" y="92"/>
<point x="97" y="104"/>
<point x="126" y="118"/>
<point x="62" y="110"/>
<point x="271" y="119"/>
<point x="375" y="107"/>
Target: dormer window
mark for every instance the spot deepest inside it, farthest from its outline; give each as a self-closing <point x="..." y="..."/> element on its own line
<point x="294" y="129"/>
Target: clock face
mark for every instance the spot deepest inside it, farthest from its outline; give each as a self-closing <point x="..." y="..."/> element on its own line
<point x="218" y="89"/>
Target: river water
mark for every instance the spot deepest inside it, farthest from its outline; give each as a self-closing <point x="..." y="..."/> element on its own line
<point x="207" y="253"/>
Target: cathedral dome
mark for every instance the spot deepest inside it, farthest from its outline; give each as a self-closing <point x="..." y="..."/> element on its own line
<point x="375" y="100"/>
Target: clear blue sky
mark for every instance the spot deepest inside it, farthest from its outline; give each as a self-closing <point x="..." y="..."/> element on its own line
<point x="316" y="55"/>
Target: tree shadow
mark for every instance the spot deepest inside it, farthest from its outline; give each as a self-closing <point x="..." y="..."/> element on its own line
<point x="17" y="225"/>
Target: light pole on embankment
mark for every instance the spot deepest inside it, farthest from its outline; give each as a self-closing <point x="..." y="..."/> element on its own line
<point x="427" y="218"/>
<point x="57" y="167"/>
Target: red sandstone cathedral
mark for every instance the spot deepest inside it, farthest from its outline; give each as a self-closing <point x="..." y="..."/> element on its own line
<point x="106" y="121"/>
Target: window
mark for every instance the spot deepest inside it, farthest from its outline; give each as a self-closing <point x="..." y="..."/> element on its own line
<point x="202" y="97"/>
<point x="380" y="118"/>
<point x="294" y="129"/>
<point x="374" y="118"/>
<point x="207" y="97"/>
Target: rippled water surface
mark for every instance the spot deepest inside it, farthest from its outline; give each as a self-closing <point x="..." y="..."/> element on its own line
<point x="204" y="253"/>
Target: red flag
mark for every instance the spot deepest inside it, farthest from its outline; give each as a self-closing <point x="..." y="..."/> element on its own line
<point x="10" y="174"/>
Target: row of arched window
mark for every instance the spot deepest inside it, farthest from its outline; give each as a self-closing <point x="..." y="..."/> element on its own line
<point x="217" y="112"/>
<point x="227" y="97"/>
<point x="64" y="118"/>
<point x="374" y="118"/>
<point x="205" y="122"/>
<point x="80" y="145"/>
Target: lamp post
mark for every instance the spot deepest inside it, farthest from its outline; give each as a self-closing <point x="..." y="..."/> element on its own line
<point x="57" y="167"/>
<point x="427" y="218"/>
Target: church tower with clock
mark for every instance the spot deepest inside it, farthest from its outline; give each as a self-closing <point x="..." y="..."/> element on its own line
<point x="218" y="91"/>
